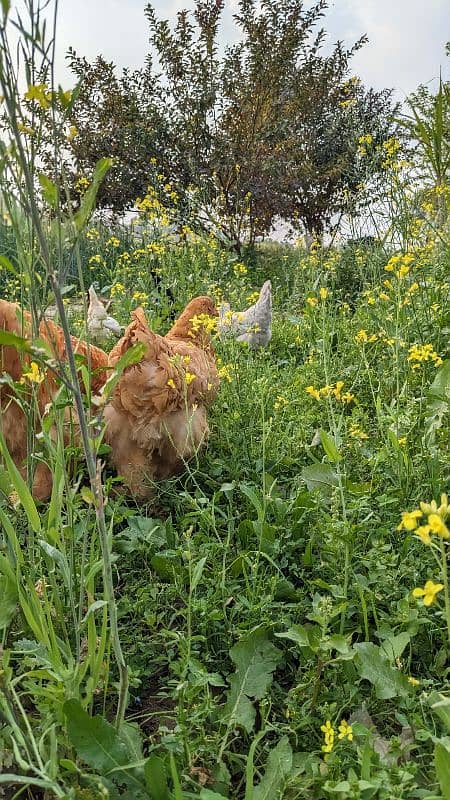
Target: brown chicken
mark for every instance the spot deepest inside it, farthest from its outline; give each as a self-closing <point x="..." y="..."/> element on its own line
<point x="20" y="368"/>
<point x="156" y="419"/>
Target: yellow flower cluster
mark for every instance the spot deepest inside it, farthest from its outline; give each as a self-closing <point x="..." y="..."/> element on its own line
<point x="329" y="734"/>
<point x="40" y="94"/>
<point x="345" y="731"/>
<point x="224" y="370"/>
<point x="140" y="297"/>
<point x="81" y="184"/>
<point x="202" y="321"/>
<point x="113" y="241"/>
<point x="239" y="269"/>
<point x="151" y="206"/>
<point x="97" y="259"/>
<point x="356" y="432"/>
<point x="190" y="376"/>
<point x="34" y="374"/>
<point x="362" y="337"/>
<point x="400" y="264"/>
<point x="280" y="402"/>
<point x="363" y="142"/>
<point x="436" y="516"/>
<point x="429" y="592"/>
<point x="252" y="298"/>
<point x="420" y="353"/>
<point x="331" y="390"/>
<point x="116" y="289"/>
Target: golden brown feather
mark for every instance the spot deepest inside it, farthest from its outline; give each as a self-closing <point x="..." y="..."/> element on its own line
<point x="15" y="364"/>
<point x="156" y="419"/>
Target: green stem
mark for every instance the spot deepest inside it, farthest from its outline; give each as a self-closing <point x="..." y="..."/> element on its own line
<point x="444" y="570"/>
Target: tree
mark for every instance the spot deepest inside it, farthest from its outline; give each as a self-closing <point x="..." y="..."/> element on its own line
<point x="118" y="117"/>
<point x="268" y="130"/>
<point x="271" y="129"/>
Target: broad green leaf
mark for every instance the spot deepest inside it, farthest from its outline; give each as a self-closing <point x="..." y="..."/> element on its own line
<point x="50" y="191"/>
<point x="208" y="794"/>
<point x="442" y="763"/>
<point x="102" y="747"/>
<point x="95" y="740"/>
<point x="81" y="217"/>
<point x="303" y="636"/>
<point x="373" y="665"/>
<point x="394" y="646"/>
<point x="337" y="642"/>
<point x="256" y="659"/>
<point x="21" y="487"/>
<point x="13" y="340"/>
<point x="320" y="476"/>
<point x="278" y="767"/>
<point x="168" y="567"/>
<point x="156" y="778"/>
<point x="329" y="446"/>
<point x="5" y="263"/>
<point x="254" y="498"/>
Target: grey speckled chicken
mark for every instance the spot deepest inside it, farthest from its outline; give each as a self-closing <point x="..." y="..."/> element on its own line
<point x="254" y="325"/>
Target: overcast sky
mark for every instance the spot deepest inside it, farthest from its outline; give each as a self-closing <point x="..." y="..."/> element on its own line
<point x="406" y="37"/>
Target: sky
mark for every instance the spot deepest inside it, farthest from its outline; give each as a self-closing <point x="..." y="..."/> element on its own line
<point x="406" y="37"/>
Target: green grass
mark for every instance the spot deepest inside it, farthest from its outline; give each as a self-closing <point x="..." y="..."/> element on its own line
<point x="274" y="565"/>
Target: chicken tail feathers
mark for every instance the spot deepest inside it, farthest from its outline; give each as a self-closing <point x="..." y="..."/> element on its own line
<point x="266" y="291"/>
<point x="137" y="331"/>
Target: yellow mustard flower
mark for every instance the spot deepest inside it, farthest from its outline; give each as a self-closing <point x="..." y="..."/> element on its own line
<point x="433" y="508"/>
<point x="409" y="520"/>
<point x="345" y="731"/>
<point x="313" y="392"/>
<point x="329" y="734"/>
<point x="33" y="375"/>
<point x="423" y="532"/>
<point x="38" y="93"/>
<point x="429" y="592"/>
<point x="438" y="526"/>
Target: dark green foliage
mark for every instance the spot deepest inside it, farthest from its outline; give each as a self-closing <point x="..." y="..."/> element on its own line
<point x="267" y="131"/>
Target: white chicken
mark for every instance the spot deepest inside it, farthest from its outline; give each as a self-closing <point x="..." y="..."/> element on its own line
<point x="100" y="324"/>
<point x="254" y="325"/>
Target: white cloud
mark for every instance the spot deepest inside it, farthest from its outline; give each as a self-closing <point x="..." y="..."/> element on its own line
<point x="406" y="40"/>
